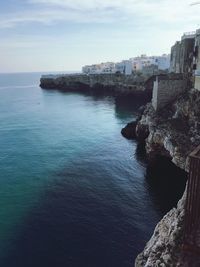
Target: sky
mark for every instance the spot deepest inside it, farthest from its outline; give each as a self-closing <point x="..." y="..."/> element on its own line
<point x="64" y="35"/>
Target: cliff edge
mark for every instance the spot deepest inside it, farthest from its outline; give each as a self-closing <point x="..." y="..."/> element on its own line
<point x="173" y="132"/>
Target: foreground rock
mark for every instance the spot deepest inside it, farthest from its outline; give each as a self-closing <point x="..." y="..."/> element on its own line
<point x="129" y="130"/>
<point x="132" y="129"/>
<point x="164" y="247"/>
<point x="174" y="132"/>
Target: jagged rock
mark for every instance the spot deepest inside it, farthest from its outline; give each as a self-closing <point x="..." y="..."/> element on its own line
<point x="163" y="249"/>
<point x="141" y="109"/>
<point x="141" y="132"/>
<point x="174" y="131"/>
<point x="129" y="130"/>
<point x="133" y="130"/>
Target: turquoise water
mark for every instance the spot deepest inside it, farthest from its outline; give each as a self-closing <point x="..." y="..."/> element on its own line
<point x="72" y="189"/>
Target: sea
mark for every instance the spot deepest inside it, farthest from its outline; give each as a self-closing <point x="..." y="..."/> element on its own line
<point x="73" y="191"/>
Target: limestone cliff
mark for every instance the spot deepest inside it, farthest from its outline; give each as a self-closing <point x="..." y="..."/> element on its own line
<point x="138" y="88"/>
<point x="174" y="132"/>
<point x="163" y="249"/>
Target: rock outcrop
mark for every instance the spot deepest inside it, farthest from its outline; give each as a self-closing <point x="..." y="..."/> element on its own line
<point x="129" y="130"/>
<point x="123" y="87"/>
<point x="173" y="132"/>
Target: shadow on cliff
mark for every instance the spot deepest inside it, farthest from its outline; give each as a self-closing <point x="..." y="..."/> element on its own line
<point x="141" y="155"/>
<point x="128" y="97"/>
<point x="166" y="183"/>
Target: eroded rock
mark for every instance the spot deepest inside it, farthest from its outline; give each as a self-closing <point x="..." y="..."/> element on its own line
<point x="129" y="130"/>
<point x="175" y="131"/>
<point x="164" y="247"/>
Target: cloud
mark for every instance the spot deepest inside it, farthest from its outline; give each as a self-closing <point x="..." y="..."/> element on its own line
<point x="140" y="12"/>
<point x="49" y="30"/>
<point x="86" y="4"/>
<point x="195" y="3"/>
<point x="49" y="16"/>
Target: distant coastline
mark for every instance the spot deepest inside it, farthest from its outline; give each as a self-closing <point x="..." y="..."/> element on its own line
<point x="137" y="88"/>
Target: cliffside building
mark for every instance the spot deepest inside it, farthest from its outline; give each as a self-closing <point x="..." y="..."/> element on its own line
<point x="183" y="53"/>
<point x="181" y="60"/>
<point x="166" y="88"/>
<point x="107" y="67"/>
<point x="145" y="64"/>
<point x="124" y="66"/>
<point x="196" y="62"/>
<point x="175" y="58"/>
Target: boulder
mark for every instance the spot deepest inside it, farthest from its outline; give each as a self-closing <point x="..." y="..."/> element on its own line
<point x="129" y="130"/>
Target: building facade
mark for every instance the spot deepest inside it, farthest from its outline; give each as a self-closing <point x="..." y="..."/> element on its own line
<point x="175" y="58"/>
<point x="197" y="60"/>
<point x="107" y="67"/>
<point x="184" y="71"/>
<point x="143" y="63"/>
<point x="181" y="60"/>
<point x="185" y="57"/>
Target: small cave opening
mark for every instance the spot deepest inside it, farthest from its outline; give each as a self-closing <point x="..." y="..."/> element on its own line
<point x="166" y="183"/>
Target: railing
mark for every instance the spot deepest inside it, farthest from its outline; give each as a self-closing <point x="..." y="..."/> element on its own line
<point x="191" y="242"/>
<point x="188" y="35"/>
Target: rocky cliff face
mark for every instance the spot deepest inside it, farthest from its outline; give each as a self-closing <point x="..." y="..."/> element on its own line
<point x="174" y="132"/>
<point x="122" y="87"/>
<point x="163" y="249"/>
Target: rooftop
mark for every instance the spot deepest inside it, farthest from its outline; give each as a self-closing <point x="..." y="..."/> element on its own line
<point x="198" y="31"/>
<point x="188" y="35"/>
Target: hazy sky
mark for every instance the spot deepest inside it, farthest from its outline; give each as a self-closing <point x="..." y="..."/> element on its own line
<point x="48" y="35"/>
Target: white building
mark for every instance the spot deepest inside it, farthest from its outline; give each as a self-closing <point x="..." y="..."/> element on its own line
<point x="139" y="62"/>
<point x="107" y="67"/>
<point x="128" y="67"/>
<point x="125" y="67"/>
<point x="136" y="64"/>
<point x="120" y="67"/>
<point x="163" y="62"/>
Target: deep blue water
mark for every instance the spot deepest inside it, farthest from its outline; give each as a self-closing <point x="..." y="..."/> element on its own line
<point x="72" y="189"/>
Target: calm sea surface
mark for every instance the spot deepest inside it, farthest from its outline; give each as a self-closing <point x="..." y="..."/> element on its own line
<point x="72" y="190"/>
